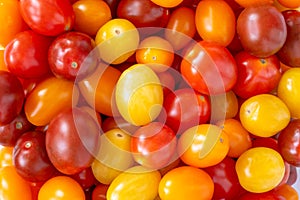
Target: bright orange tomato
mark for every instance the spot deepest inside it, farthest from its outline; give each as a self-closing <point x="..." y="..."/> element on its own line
<point x="156" y="52"/>
<point x="6" y="154"/>
<point x="290" y="3"/>
<point x="2" y="62"/>
<point x="186" y="183"/>
<point x="248" y="3"/>
<point x="167" y="4"/>
<point x="62" y="188"/>
<point x="286" y="192"/>
<point x="215" y="21"/>
<point x="203" y="145"/>
<point x="181" y="27"/>
<point x="90" y="15"/>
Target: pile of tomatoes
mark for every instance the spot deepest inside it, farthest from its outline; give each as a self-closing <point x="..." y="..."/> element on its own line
<point x="149" y="99"/>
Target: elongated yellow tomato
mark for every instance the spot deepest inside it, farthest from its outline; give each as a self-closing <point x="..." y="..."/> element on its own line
<point x="139" y="95"/>
<point x="114" y="144"/>
<point x="49" y="98"/>
<point x="117" y="40"/>
<point x="137" y="183"/>
<point x="264" y="115"/>
<point x="289" y="91"/>
<point x="260" y="169"/>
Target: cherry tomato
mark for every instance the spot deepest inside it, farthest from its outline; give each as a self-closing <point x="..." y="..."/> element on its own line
<point x="215" y="21"/>
<point x="99" y="192"/>
<point x="135" y="183"/>
<point x="48" y="17"/>
<point x="286" y="192"/>
<point x="11" y="97"/>
<point x="249" y="3"/>
<point x="85" y="178"/>
<point x="26" y="55"/>
<point x="204" y="145"/>
<point x="260" y="169"/>
<point x="168" y="4"/>
<point x="110" y="123"/>
<point x="186" y="183"/>
<point x="83" y="10"/>
<point x="290" y="3"/>
<point x="62" y="188"/>
<point x="264" y="115"/>
<point x="51" y="95"/>
<point x="6" y="156"/>
<point x="12" y="185"/>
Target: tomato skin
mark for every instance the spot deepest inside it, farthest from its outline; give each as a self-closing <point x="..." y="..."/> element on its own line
<point x="26" y="55"/>
<point x="11" y="97"/>
<point x="67" y="130"/>
<point x="256" y="75"/>
<point x="209" y="68"/>
<point x="215" y="21"/>
<point x="50" y="102"/>
<point x="48" y="17"/>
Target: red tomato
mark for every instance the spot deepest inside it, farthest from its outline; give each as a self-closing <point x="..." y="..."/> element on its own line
<point x="99" y="193"/>
<point x="209" y="68"/>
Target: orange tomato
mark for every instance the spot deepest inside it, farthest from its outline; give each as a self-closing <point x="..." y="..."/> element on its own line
<point x="239" y="138"/>
<point x="156" y="52"/>
<point x="6" y="156"/>
<point x="181" y="27"/>
<point x="90" y="15"/>
<point x="290" y="3"/>
<point x="215" y="21"/>
<point x="248" y="3"/>
<point x="62" y="188"/>
<point x="203" y="145"/>
<point x="287" y="192"/>
<point x="2" y="62"/>
<point x="186" y="183"/>
<point x="167" y="4"/>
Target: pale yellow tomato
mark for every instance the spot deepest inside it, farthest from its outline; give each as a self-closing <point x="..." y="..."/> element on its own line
<point x="289" y="90"/>
<point x="139" y="95"/>
<point x="264" y="115"/>
<point x="136" y="183"/>
<point x="117" y="40"/>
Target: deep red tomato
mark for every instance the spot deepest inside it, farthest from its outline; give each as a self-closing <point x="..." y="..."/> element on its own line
<point x="209" y="68"/>
<point x="85" y="178"/>
<point x="11" y="97"/>
<point x="185" y="108"/>
<point x="154" y="145"/>
<point x="70" y="147"/>
<point x="70" y="55"/>
<point x="256" y="75"/>
<point x="99" y="193"/>
<point x="113" y="5"/>
<point x="48" y="17"/>
<point x="26" y="55"/>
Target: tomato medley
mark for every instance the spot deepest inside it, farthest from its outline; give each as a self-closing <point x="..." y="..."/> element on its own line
<point x="149" y="99"/>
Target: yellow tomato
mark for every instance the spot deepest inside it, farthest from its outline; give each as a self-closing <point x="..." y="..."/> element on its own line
<point x="139" y="95"/>
<point x="117" y="40"/>
<point x="135" y="184"/>
<point x="168" y="3"/>
<point x="260" y="169"/>
<point x="289" y="90"/>
<point x="264" y="115"/>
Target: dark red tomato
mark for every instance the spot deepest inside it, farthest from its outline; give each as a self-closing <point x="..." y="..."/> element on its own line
<point x="10" y="133"/>
<point x="189" y="3"/>
<point x="69" y="55"/>
<point x="262" y="30"/>
<point x="85" y="178"/>
<point x="72" y="139"/>
<point x="48" y="17"/>
<point x="256" y="75"/>
<point x="289" y="143"/>
<point x="225" y="178"/>
<point x="154" y="145"/>
<point x="289" y="54"/>
<point x="11" y="97"/>
<point x="113" y="5"/>
<point x="99" y="193"/>
<point x="185" y="108"/>
<point x="209" y="68"/>
<point x="30" y="157"/>
<point x="259" y="196"/>
<point x="265" y="142"/>
<point x="26" y="55"/>
<point x="143" y="13"/>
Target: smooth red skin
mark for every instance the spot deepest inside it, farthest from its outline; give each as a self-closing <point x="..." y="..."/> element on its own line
<point x="256" y="75"/>
<point x="10" y="133"/>
<point x="265" y="142"/>
<point x="32" y="163"/>
<point x="85" y="178"/>
<point x="225" y="179"/>
<point x="113" y="4"/>
<point x="259" y="196"/>
<point x="185" y="108"/>
<point x="99" y="193"/>
<point x="26" y="55"/>
<point x="289" y="54"/>
<point x="72" y="48"/>
<point x="11" y="97"/>
<point x="69" y="145"/>
<point x="213" y="71"/>
<point x="262" y="30"/>
<point x="154" y="145"/>
<point x="289" y="143"/>
<point x="189" y="3"/>
<point x="143" y="13"/>
<point x="48" y="17"/>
